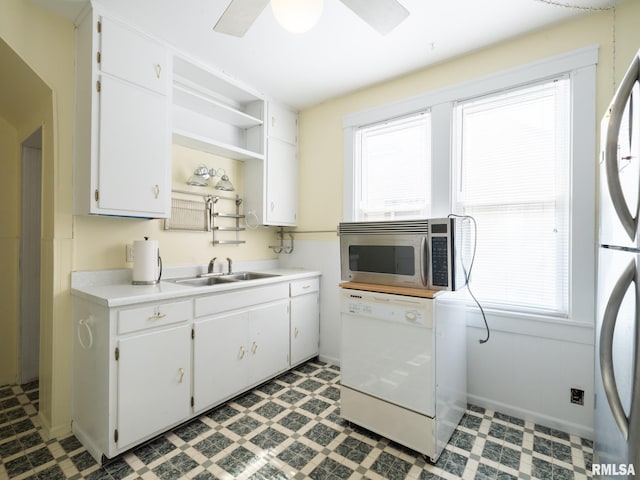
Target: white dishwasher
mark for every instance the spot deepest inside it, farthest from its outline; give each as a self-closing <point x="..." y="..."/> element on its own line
<point x="403" y="366"/>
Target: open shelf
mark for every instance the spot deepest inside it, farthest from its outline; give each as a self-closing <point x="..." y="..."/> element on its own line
<point x="213" y="146"/>
<point x="201" y="102"/>
<point x="214" y="113"/>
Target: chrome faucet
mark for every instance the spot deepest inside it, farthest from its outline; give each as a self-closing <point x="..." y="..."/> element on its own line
<point x="229" y="261"/>
<point x="211" y="265"/>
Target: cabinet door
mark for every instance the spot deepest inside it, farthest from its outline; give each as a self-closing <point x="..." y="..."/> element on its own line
<point x="133" y="154"/>
<point x="281" y="202"/>
<point x="154" y="388"/>
<point x="283" y="123"/>
<point x="220" y="358"/>
<point x="305" y="327"/>
<point x="268" y="340"/>
<point x="132" y="56"/>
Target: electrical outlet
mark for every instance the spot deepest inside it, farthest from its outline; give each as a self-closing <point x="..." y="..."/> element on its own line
<point x="577" y="396"/>
<point x="129" y="253"/>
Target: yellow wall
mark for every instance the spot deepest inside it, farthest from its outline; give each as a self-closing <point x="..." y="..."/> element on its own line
<point x="9" y="244"/>
<point x="44" y="42"/>
<point x="321" y="136"/>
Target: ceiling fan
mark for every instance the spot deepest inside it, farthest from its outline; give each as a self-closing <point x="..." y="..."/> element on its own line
<point x="382" y="15"/>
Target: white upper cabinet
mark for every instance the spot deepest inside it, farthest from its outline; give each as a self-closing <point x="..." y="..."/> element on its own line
<point x="129" y="55"/>
<point x="283" y="123"/>
<point x="214" y="113"/>
<point x="122" y="143"/>
<point x="272" y="186"/>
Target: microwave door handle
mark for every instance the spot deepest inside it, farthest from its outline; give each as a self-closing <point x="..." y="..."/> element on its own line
<point x="616" y="111"/>
<point x="423" y="261"/>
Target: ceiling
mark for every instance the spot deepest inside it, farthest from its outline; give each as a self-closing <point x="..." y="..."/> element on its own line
<point x="342" y="53"/>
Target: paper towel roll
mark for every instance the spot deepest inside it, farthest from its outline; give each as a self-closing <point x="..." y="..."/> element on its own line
<point x="145" y="262"/>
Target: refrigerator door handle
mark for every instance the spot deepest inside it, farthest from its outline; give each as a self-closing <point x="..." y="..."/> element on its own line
<point x="610" y="150"/>
<point x="606" y="347"/>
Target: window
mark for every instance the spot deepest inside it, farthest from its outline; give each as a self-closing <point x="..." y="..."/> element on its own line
<point x="512" y="177"/>
<point x="394" y="168"/>
<point x="517" y="151"/>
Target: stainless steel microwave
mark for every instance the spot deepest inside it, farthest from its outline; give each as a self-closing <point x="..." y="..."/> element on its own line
<point x="421" y="253"/>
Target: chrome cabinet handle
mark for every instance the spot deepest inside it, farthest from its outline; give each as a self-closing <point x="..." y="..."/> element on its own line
<point x="295" y="332"/>
<point x="304" y="287"/>
<point x="241" y="353"/>
<point x="606" y="347"/>
<point x="616" y="110"/>
<point x="156" y="191"/>
<point x="157" y="316"/>
<point x="158" y="69"/>
<point x="254" y="348"/>
<point x="180" y="375"/>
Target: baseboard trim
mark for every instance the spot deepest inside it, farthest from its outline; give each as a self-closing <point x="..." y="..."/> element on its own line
<point x="328" y="359"/>
<point x="535" y="417"/>
<point x="52" y="431"/>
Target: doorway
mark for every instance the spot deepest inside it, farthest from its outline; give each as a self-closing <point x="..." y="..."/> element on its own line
<point x="30" y="241"/>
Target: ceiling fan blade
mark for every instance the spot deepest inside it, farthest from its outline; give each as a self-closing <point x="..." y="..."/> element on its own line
<point x="239" y="16"/>
<point x="382" y="15"/>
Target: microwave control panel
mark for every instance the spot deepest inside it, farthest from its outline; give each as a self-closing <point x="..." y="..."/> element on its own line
<point x="439" y="261"/>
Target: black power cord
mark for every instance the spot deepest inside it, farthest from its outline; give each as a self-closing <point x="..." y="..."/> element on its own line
<point x="467" y="273"/>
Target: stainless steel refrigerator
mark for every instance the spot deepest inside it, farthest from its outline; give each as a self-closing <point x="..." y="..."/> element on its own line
<point x="617" y="369"/>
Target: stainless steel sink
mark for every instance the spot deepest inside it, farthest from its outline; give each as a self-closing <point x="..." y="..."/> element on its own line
<point x="205" y="279"/>
<point x="200" y="281"/>
<point x="247" y="276"/>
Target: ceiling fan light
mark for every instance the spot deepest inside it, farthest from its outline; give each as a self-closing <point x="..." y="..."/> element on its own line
<point x="297" y="16"/>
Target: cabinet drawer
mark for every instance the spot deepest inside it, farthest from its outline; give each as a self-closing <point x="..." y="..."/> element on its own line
<point x="244" y="298"/>
<point x="308" y="285"/>
<point x="152" y="316"/>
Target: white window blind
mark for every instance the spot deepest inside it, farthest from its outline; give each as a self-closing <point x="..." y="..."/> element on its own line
<point x="394" y="168"/>
<point x="513" y="177"/>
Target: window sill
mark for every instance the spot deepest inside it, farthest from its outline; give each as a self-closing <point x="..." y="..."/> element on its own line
<point x="535" y="325"/>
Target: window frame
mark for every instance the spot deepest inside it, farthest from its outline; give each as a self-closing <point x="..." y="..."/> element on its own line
<point x="580" y="66"/>
<point x="358" y="139"/>
<point x="565" y="175"/>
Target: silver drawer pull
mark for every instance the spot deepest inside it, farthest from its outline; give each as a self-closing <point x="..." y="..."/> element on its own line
<point x="295" y="332"/>
<point x="157" y="316"/>
<point x="241" y="353"/>
<point x="180" y="375"/>
<point x="254" y="348"/>
<point x="306" y="286"/>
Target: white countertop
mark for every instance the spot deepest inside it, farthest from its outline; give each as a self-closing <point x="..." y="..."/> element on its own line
<point x="116" y="290"/>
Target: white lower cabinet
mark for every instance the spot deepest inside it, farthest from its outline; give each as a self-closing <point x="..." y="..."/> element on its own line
<point x="218" y="363"/>
<point x="131" y="373"/>
<point x="235" y="350"/>
<point x="139" y="370"/>
<point x="305" y="320"/>
<point x="154" y="387"/>
<point x="268" y="341"/>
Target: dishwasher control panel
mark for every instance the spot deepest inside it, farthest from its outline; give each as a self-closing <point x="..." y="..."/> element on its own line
<point x="393" y="308"/>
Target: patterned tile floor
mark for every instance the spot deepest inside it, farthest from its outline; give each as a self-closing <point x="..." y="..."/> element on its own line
<point x="290" y="428"/>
